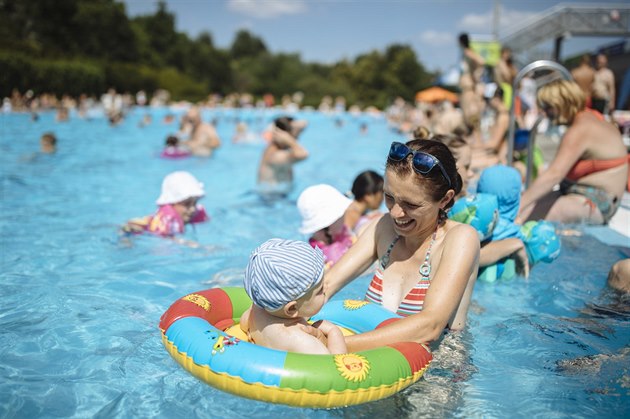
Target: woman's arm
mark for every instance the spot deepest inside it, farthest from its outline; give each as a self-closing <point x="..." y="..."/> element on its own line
<point x="472" y="55"/>
<point x="355" y="261"/>
<point x="572" y="147"/>
<point x="457" y="268"/>
<point x="497" y="134"/>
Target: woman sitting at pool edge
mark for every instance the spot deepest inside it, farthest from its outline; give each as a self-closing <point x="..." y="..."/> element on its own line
<point x="590" y="164"/>
<point x="427" y="263"/>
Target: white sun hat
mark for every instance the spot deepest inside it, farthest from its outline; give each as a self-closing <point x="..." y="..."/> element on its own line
<point x="320" y="206"/>
<point x="178" y="187"/>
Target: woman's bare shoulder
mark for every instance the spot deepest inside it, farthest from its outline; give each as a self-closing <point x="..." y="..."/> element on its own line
<point x="460" y="231"/>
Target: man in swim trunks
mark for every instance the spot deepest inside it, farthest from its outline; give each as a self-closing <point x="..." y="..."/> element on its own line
<point x="603" y="87"/>
<point x="275" y="173"/>
<point x="203" y="136"/>
<point x="584" y="76"/>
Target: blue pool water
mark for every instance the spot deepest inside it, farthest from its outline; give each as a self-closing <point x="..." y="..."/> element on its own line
<point x="79" y="308"/>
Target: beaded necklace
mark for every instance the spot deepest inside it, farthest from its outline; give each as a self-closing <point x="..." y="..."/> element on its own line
<point x="425" y="268"/>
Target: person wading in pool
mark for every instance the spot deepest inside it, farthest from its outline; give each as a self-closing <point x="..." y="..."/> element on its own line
<point x="427" y="263"/>
<point x="275" y="173"/>
<point x="203" y="136"/>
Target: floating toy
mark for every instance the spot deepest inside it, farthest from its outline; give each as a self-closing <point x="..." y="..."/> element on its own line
<point x="174" y="153"/>
<point x="201" y="332"/>
<point x="541" y="244"/>
<point x="541" y="241"/>
<point x="479" y="210"/>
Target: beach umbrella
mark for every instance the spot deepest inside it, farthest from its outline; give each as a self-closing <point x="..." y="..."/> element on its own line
<point x="436" y="94"/>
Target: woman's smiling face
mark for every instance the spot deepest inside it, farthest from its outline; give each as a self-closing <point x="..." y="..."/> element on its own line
<point x="412" y="210"/>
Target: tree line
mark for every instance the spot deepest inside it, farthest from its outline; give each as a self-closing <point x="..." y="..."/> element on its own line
<point x="86" y="46"/>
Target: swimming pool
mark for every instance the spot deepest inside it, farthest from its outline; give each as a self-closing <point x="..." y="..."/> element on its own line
<point x="79" y="308"/>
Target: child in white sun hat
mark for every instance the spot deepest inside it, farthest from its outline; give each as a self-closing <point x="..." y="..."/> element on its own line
<point x="177" y="206"/>
<point x="322" y="208"/>
<point x="284" y="279"/>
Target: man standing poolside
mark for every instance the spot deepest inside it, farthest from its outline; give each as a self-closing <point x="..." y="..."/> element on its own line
<point x="584" y="76"/>
<point x="203" y="136"/>
<point x="275" y="173"/>
<point x="603" y="87"/>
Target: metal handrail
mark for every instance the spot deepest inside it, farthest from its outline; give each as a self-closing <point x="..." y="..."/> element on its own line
<point x="536" y="65"/>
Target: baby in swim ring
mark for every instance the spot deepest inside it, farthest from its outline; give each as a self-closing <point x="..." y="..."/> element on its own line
<point x="323" y="208"/>
<point x="177" y="206"/>
<point x="284" y="279"/>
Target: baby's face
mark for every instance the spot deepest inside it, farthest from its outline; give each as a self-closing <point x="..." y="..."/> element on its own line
<point x="312" y="302"/>
<point x="186" y="209"/>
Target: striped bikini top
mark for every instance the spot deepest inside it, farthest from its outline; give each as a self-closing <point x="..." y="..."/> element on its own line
<point x="414" y="300"/>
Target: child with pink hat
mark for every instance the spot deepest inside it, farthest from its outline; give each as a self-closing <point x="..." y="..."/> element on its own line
<point x="322" y="208"/>
<point x="177" y="206"/>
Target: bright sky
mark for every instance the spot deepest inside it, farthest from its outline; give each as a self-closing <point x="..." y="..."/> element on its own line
<point x="328" y="31"/>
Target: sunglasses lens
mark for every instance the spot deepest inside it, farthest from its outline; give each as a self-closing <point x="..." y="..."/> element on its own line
<point x="423" y="163"/>
<point x="398" y="151"/>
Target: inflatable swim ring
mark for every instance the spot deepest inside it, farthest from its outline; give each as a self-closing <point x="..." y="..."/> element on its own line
<point x="201" y="333"/>
<point x="174" y="153"/>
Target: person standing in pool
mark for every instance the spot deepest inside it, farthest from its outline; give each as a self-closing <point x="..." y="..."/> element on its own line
<point x="275" y="173"/>
<point x="427" y="263"/>
<point x="284" y="280"/>
<point x="203" y="136"/>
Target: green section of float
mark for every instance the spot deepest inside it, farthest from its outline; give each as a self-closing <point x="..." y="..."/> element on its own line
<point x="502" y="270"/>
<point x="384" y="366"/>
<point x="240" y="301"/>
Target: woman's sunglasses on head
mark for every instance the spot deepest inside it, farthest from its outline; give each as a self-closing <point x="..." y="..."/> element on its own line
<point x="422" y="162"/>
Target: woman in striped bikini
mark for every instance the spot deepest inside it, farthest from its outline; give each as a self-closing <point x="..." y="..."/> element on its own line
<point x="427" y="263"/>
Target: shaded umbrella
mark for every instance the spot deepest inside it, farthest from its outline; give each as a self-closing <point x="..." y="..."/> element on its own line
<point x="436" y="94"/>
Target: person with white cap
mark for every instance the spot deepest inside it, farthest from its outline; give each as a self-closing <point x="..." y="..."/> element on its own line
<point x="323" y="208"/>
<point x="177" y="207"/>
<point x="275" y="172"/>
<point x="284" y="279"/>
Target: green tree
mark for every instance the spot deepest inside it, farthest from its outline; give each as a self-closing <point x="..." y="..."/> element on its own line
<point x="246" y="45"/>
<point x="104" y="31"/>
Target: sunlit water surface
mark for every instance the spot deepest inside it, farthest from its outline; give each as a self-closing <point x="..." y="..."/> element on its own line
<point x="79" y="308"/>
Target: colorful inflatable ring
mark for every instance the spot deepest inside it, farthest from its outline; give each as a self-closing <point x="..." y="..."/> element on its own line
<point x="194" y="333"/>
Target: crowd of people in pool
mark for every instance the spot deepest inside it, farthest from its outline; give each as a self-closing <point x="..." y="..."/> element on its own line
<point x="409" y="248"/>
